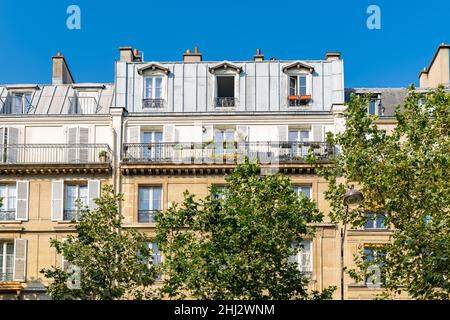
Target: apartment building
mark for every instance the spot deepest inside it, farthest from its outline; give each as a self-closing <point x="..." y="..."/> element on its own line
<point x="162" y="128"/>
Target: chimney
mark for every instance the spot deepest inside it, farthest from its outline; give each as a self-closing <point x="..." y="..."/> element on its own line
<point x="60" y="70"/>
<point x="258" y="57"/>
<point x="188" y="56"/>
<point x="330" y="56"/>
<point x="127" y="54"/>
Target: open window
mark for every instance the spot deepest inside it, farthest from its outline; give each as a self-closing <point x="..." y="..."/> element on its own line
<point x="225" y="91"/>
<point x="18" y="103"/>
<point x="299" y="83"/>
<point x="154" y="85"/>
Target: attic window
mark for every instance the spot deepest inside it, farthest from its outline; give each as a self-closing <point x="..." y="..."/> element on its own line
<point x="18" y="103"/>
<point x="225" y="91"/>
<point x="299" y="91"/>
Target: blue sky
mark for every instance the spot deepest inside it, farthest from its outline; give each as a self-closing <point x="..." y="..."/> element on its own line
<point x="33" y="31"/>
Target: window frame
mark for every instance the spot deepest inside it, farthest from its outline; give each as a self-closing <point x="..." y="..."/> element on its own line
<point x="299" y="254"/>
<point x="374" y="222"/>
<point x="78" y="186"/>
<point x="151" y="210"/>
<point x="300" y="186"/>
<point x="4" y="260"/>
<point x="25" y="108"/>
<point x="153" y="94"/>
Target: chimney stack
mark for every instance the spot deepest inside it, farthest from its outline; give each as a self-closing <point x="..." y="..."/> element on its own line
<point x="188" y="56"/>
<point x="330" y="56"/>
<point x="127" y="54"/>
<point x="258" y="57"/>
<point x="60" y="70"/>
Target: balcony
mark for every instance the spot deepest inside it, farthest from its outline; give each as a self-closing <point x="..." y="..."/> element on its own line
<point x="7" y="215"/>
<point x="54" y="158"/>
<point x="225" y="102"/>
<point x="6" y="277"/>
<point x="208" y="155"/>
<point x="83" y="105"/>
<point x="153" y="103"/>
<point x="147" y="216"/>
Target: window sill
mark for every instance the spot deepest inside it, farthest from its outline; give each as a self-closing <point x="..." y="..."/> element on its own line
<point x="11" y="221"/>
<point x="67" y="222"/>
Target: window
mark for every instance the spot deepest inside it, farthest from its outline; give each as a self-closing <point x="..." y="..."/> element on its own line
<point x="220" y="194"/>
<point x="224" y="140"/>
<point x="153" y="92"/>
<point x="374" y="221"/>
<point x="153" y="149"/>
<point x="8" y="206"/>
<point x="303" y="256"/>
<point x="225" y="91"/>
<point x="372" y="257"/>
<point x="84" y="102"/>
<point x="150" y="200"/>
<point x="18" y="103"/>
<point x="298" y="90"/>
<point x="374" y="107"/>
<point x="6" y="261"/>
<point x="72" y="193"/>
<point x="297" y="138"/>
<point x="305" y="190"/>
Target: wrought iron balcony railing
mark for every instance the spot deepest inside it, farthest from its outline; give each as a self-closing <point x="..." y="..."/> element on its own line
<point x="54" y="154"/>
<point x="225" y="102"/>
<point x="147" y="216"/>
<point x="232" y="152"/>
<point x="72" y="215"/>
<point x="7" y="215"/>
<point x="83" y="105"/>
<point x="6" y="277"/>
<point x="153" y="103"/>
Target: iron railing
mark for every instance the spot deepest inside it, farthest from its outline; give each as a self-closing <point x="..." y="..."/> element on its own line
<point x="153" y="103"/>
<point x="72" y="215"/>
<point x="54" y="153"/>
<point x="225" y="102"/>
<point x="147" y="216"/>
<point x="83" y="105"/>
<point x="230" y="152"/>
<point x="6" y="277"/>
<point x="7" y="215"/>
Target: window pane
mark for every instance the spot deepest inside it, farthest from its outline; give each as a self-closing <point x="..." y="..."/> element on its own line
<point x="144" y="198"/>
<point x="304" y="136"/>
<point x="71" y="196"/>
<point x="158" y="137"/>
<point x="293" y="86"/>
<point x="302" y="85"/>
<point x="372" y="107"/>
<point x="83" y="195"/>
<point x="293" y="136"/>
<point x="148" y="87"/>
<point x="156" y="198"/>
<point x="158" y="88"/>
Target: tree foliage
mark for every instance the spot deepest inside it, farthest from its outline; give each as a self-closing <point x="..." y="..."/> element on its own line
<point x="404" y="175"/>
<point x="236" y="246"/>
<point x="113" y="262"/>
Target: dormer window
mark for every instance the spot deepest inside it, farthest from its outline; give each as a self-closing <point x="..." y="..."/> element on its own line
<point x="300" y="83"/>
<point x="154" y="85"/>
<point x="18" y="103"/>
<point x="226" y="84"/>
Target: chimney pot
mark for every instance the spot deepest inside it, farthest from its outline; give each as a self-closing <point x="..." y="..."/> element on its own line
<point x="188" y="56"/>
<point x="258" y="57"/>
<point x="196" y="50"/>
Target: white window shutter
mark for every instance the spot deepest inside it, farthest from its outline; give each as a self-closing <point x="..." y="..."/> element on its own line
<point x="169" y="133"/>
<point x="83" y="139"/>
<point x="57" y="199"/>
<point x="93" y="193"/>
<point x="283" y="133"/>
<point x="317" y="133"/>
<point x="72" y="135"/>
<point x="208" y="134"/>
<point x="22" y="189"/>
<point x="242" y="133"/>
<point x="20" y="260"/>
<point x="13" y="139"/>
<point x="134" y="134"/>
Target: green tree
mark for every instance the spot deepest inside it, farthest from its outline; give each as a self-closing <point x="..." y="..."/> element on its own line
<point x="236" y="246"/>
<point x="405" y="176"/>
<point x="113" y="263"/>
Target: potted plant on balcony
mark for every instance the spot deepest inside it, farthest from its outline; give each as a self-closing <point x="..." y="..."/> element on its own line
<point x="103" y="156"/>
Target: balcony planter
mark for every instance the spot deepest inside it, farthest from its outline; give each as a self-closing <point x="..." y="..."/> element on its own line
<point x="299" y="98"/>
<point x="103" y="156"/>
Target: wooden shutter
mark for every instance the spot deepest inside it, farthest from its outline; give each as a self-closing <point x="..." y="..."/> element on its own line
<point x="309" y="85"/>
<point x="22" y="190"/>
<point x="83" y="139"/>
<point x="134" y="134"/>
<point x="93" y="193"/>
<point x="12" y="141"/>
<point x="282" y="133"/>
<point x="317" y="133"/>
<point x="20" y="260"/>
<point x="2" y="140"/>
<point x="57" y="199"/>
<point x="72" y="139"/>
<point x="169" y="133"/>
